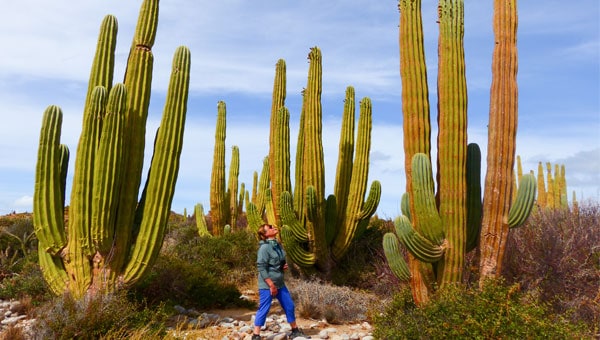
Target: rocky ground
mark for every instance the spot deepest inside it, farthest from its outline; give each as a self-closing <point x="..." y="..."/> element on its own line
<point x="237" y="324"/>
<point x="224" y="324"/>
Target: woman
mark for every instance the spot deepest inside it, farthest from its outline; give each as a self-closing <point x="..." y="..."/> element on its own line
<point x="271" y="264"/>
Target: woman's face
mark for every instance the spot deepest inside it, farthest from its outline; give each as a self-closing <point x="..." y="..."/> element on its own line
<point x="270" y="231"/>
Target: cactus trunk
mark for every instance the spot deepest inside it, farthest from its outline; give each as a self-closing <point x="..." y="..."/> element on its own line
<point x="501" y="139"/>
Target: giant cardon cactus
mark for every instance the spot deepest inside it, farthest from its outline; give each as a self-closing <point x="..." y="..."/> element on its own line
<point x="317" y="230"/>
<point x="111" y="239"/>
<point x="224" y="207"/>
<point x="440" y="227"/>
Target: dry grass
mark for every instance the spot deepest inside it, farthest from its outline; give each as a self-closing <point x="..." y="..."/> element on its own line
<point x="336" y="304"/>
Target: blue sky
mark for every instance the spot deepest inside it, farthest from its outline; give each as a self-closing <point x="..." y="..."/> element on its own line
<point x="48" y="48"/>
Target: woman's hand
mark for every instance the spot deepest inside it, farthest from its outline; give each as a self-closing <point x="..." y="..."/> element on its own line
<point x="285" y="266"/>
<point x="273" y="290"/>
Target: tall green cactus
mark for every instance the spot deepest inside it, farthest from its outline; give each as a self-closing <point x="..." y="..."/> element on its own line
<point x="445" y="225"/>
<point x="317" y="231"/>
<point x="218" y="202"/>
<point x="223" y="199"/>
<point x="279" y="140"/>
<point x="112" y="239"/>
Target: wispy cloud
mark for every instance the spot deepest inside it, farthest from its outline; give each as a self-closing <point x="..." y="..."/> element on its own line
<point x="235" y="45"/>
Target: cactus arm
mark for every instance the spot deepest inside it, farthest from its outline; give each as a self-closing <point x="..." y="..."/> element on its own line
<point x="331" y="225"/>
<point x="254" y="187"/>
<point x="370" y="205"/>
<point x="80" y="249"/>
<point x="523" y="204"/>
<point x="254" y="217"/>
<point x="103" y="65"/>
<point x="217" y="178"/>
<point x="358" y="182"/>
<point x="391" y="248"/>
<point x="346" y="155"/>
<point x="298" y="171"/>
<point x="263" y="185"/>
<point x="288" y="218"/>
<point x="294" y="250"/>
<point x="419" y="246"/>
<point x="428" y="222"/>
<point x="474" y="205"/>
<point x="201" y="221"/>
<point x="64" y="168"/>
<point x="405" y="205"/>
<point x="232" y="191"/>
<point x="138" y="82"/>
<point x="53" y="270"/>
<point x="106" y="174"/>
<point x="241" y="196"/>
<point x="270" y="208"/>
<point x="48" y="198"/>
<point x="279" y="139"/>
<point x="163" y="170"/>
<point x="314" y="168"/>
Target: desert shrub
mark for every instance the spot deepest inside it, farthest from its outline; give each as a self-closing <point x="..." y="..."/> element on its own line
<point x="497" y="311"/>
<point x="93" y="318"/>
<point x="557" y="255"/>
<point x="176" y="281"/>
<point x="336" y="304"/>
<point x="17" y="243"/>
<point x="29" y="282"/>
<point x="201" y="272"/>
<point x="364" y="266"/>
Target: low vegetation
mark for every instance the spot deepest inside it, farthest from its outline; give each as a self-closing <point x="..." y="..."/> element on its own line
<point x="550" y="286"/>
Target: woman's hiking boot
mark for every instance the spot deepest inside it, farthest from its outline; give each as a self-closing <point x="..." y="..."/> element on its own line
<point x="297" y="333"/>
<point x="255" y="337"/>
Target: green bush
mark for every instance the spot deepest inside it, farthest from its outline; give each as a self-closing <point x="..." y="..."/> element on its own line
<point x="496" y="312"/>
<point x="28" y="282"/>
<point x="201" y="272"/>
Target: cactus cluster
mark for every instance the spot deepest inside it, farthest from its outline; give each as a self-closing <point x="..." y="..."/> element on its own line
<point x="439" y="227"/>
<point x="316" y="231"/>
<point x="111" y="239"/>
<point x="552" y="192"/>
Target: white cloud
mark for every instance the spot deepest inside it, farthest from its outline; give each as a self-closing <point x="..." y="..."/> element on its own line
<point x="235" y="45"/>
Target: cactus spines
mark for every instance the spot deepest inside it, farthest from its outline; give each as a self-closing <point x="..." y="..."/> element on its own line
<point x="107" y="243"/>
